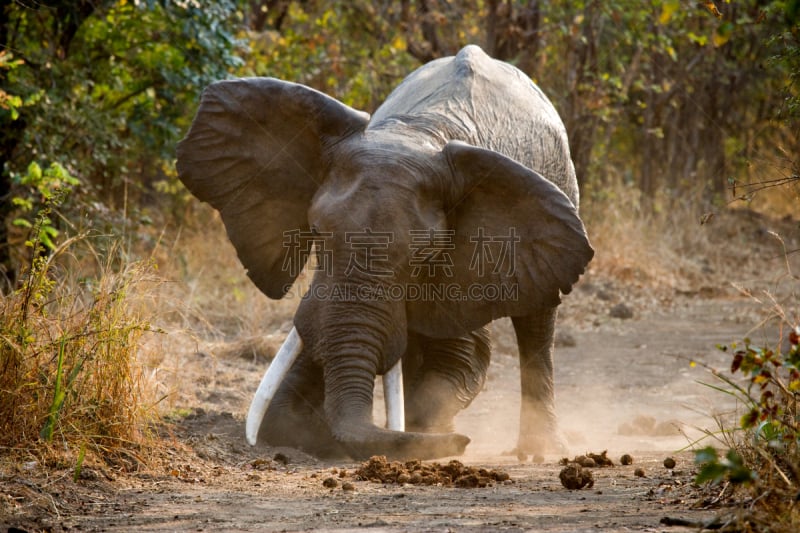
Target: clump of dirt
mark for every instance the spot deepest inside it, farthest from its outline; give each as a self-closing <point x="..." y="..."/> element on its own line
<point x="575" y="474"/>
<point x="575" y="477"/>
<point x="379" y="470"/>
<point x="281" y="458"/>
<point x="590" y="460"/>
<point x="601" y="459"/>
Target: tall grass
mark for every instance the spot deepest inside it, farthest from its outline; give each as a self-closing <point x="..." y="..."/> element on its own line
<point x="217" y="299"/>
<point x="69" y="335"/>
<point x="667" y="248"/>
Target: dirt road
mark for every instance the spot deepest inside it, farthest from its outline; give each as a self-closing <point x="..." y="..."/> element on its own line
<point x="623" y="385"/>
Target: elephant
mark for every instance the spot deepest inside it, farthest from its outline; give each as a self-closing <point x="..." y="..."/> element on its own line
<point x="454" y="204"/>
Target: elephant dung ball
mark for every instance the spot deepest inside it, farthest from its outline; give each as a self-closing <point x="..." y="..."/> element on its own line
<point x="639" y="472"/>
<point x="574" y="477"/>
<point x="626" y="459"/>
<point x="669" y="462"/>
<point x="586" y="462"/>
<point x="330" y="483"/>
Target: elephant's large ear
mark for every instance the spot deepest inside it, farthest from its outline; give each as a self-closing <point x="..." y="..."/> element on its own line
<point x="256" y="152"/>
<point x="516" y="243"/>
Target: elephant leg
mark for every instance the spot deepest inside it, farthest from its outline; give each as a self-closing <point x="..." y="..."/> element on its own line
<point x="296" y="417"/>
<point x="451" y="373"/>
<point x="538" y="427"/>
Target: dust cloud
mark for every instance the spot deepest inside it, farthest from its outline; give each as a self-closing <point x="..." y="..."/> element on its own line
<point x="622" y="389"/>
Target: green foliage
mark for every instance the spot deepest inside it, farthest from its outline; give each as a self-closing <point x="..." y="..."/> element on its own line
<point x="59" y="393"/>
<point x="12" y="102"/>
<point x="99" y="91"/>
<point x="766" y="457"/>
<point x="787" y="55"/>
<point x="110" y="89"/>
<point x="350" y="50"/>
<point x="715" y="469"/>
<point x="664" y="94"/>
<point x="668" y="91"/>
<point x="770" y="394"/>
<point x="42" y="192"/>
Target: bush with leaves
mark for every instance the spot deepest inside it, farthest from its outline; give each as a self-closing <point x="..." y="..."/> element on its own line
<point x="43" y="190"/>
<point x="116" y="81"/>
<point x="763" y="457"/>
<point x="103" y="90"/>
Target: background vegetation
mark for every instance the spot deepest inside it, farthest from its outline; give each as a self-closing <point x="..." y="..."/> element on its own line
<point x="674" y="109"/>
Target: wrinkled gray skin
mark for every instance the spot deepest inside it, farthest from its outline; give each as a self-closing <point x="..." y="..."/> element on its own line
<point x="466" y="144"/>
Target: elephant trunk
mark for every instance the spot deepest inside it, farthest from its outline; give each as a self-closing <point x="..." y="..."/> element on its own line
<point x="348" y="409"/>
<point x="353" y="344"/>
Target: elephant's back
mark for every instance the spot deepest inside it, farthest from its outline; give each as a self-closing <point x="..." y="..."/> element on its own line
<point x="488" y="103"/>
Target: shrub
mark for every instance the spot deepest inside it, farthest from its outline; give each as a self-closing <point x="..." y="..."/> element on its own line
<point x="69" y="336"/>
<point x="762" y="464"/>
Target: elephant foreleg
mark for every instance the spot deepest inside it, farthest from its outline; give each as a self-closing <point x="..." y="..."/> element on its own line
<point x="538" y="427"/>
<point x="449" y="376"/>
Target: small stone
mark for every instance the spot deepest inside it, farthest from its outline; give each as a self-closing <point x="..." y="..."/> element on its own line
<point x="281" y="458"/>
<point x="669" y="462"/>
<point x="621" y="311"/>
<point x="604" y="295"/>
<point x="626" y="459"/>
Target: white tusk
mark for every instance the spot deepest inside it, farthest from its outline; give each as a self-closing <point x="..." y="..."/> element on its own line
<point x="393" y="396"/>
<point x="272" y="379"/>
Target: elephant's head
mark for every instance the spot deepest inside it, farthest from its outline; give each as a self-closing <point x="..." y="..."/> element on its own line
<point x="412" y="231"/>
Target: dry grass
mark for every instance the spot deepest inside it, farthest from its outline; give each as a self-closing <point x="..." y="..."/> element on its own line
<point x="207" y="305"/>
<point x="211" y="294"/>
<point x="685" y="247"/>
<point x="93" y="341"/>
<point x="69" y="337"/>
<point x="666" y="250"/>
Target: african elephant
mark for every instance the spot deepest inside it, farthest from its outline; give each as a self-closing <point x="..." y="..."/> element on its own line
<point x="455" y="204"/>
